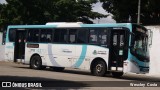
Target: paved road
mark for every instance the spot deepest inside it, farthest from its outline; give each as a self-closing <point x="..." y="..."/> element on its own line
<point x="80" y="79"/>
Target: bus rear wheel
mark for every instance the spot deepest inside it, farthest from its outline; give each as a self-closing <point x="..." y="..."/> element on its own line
<point x="117" y="74"/>
<point x="99" y="68"/>
<point x="36" y="62"/>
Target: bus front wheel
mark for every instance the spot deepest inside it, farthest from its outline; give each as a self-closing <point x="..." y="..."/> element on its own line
<point x="36" y="62"/>
<point x="99" y="68"/>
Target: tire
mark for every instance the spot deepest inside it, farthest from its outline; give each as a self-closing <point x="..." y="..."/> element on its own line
<point x="58" y="69"/>
<point x="36" y="62"/>
<point x="117" y="74"/>
<point x="99" y="68"/>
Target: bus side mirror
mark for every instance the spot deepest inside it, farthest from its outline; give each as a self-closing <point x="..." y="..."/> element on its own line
<point x="150" y="35"/>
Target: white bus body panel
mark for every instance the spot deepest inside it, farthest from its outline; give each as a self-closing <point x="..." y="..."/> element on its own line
<point x="61" y="55"/>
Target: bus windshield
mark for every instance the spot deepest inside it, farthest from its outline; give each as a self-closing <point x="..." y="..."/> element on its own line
<point x="140" y="42"/>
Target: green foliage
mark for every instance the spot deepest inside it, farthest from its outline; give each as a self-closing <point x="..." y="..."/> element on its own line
<point x="123" y="9"/>
<point x="42" y="11"/>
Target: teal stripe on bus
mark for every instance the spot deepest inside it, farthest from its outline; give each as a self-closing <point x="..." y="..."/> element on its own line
<point x="82" y="56"/>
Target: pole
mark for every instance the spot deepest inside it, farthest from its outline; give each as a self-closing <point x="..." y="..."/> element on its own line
<point x="139" y="11"/>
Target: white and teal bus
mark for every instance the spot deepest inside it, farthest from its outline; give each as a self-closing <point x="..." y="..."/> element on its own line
<point x="115" y="48"/>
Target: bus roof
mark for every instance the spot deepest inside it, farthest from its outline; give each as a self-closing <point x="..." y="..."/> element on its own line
<point x="59" y="23"/>
<point x="72" y="25"/>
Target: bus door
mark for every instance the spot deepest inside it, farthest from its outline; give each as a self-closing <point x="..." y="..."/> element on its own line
<point x="118" y="51"/>
<point x="20" y="40"/>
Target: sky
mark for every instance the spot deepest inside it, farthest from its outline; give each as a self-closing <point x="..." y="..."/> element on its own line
<point x="2" y="1"/>
<point x="97" y="8"/>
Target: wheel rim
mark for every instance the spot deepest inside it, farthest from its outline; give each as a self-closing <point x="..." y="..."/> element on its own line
<point x="99" y="68"/>
<point x="36" y="63"/>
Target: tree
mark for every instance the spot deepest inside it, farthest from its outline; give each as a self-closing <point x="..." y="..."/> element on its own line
<point x="42" y="11"/>
<point x="3" y="18"/>
<point x="122" y="10"/>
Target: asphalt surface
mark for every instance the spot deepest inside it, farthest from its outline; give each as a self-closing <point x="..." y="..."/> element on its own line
<point x="72" y="79"/>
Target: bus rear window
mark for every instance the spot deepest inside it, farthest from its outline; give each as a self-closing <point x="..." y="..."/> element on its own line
<point x="12" y="34"/>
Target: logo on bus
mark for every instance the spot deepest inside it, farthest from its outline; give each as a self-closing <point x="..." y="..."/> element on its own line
<point x="99" y="52"/>
<point x="94" y="52"/>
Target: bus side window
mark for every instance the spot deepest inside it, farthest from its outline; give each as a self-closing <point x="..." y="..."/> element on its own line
<point x="93" y="39"/>
<point x="60" y="36"/>
<point x="121" y="40"/>
<point x="46" y="35"/>
<point x="82" y="36"/>
<point x="115" y="39"/>
<point x="72" y="35"/>
<point x="56" y="35"/>
<point x="102" y="37"/>
<point x="33" y="35"/>
<point x="64" y="36"/>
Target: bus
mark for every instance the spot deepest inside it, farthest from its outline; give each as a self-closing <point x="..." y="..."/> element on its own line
<point x="116" y="48"/>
